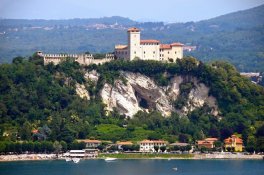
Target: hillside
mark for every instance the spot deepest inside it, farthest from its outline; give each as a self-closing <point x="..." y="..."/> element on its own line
<point x="236" y="37"/>
<point x="67" y="101"/>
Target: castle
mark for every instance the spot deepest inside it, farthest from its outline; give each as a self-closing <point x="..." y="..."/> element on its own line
<point x="147" y="49"/>
<point x="83" y="59"/>
<point x="136" y="49"/>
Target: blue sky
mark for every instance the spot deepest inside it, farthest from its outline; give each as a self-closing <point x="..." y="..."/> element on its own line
<point x="142" y="10"/>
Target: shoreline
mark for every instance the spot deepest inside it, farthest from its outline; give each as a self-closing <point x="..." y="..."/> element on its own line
<point x="39" y="157"/>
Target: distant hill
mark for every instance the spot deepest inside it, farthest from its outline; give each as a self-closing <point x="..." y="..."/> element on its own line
<point x="236" y="37"/>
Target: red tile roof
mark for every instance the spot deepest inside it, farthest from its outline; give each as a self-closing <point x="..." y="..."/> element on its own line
<point x="133" y="29"/>
<point x="177" y="44"/>
<point x="233" y="139"/>
<point x="149" y="41"/>
<point x="121" y="47"/>
<point x="211" y="139"/>
<point x="165" y="46"/>
<point x="34" y="131"/>
<point x="153" y="141"/>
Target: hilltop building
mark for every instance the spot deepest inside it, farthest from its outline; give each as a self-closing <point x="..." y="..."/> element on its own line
<point x="135" y="49"/>
<point x="83" y="59"/>
<point x="147" y="49"/>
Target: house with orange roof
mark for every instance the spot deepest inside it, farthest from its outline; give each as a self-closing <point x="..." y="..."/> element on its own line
<point x="207" y="143"/>
<point x="34" y="131"/>
<point x="90" y="143"/>
<point x="149" y="49"/>
<point x="235" y="143"/>
<point x="148" y="145"/>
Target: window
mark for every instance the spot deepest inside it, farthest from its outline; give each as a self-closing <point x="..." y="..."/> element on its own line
<point x="144" y="52"/>
<point x="168" y="52"/>
<point x="135" y="52"/>
<point x="154" y="52"/>
<point x="175" y="52"/>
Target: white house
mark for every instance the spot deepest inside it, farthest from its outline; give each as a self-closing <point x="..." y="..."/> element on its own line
<point x="148" y="145"/>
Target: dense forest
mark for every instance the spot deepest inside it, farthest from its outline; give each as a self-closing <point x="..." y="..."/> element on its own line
<point x="43" y="98"/>
<point x="236" y="37"/>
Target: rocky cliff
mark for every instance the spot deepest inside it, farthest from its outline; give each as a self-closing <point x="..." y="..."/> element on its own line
<point x="137" y="92"/>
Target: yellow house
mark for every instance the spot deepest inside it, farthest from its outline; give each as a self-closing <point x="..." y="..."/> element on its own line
<point x="234" y="143"/>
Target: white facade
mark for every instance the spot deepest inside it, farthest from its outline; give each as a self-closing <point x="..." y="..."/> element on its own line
<point x="148" y="145"/>
<point x="147" y="49"/>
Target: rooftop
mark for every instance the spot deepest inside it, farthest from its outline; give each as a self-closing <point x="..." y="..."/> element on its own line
<point x="121" y="47"/>
<point x="153" y="141"/>
<point x="133" y="29"/>
<point x="149" y="41"/>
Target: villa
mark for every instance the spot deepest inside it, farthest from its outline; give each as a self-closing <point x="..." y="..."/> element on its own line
<point x="234" y="143"/>
<point x="207" y="143"/>
<point x="148" y="145"/>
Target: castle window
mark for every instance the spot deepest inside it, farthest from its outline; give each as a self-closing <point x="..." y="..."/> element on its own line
<point x="175" y="52"/>
<point x="135" y="52"/>
<point x="144" y="52"/>
<point x="168" y="52"/>
<point x="154" y="52"/>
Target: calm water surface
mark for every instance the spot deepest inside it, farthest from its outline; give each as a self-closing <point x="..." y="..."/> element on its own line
<point x="134" y="167"/>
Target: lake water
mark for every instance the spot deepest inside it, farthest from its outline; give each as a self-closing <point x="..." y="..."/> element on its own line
<point x="134" y="167"/>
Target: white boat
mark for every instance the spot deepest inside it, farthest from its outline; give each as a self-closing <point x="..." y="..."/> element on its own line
<point x="175" y="169"/>
<point x="110" y="159"/>
<point x="68" y="159"/>
<point x="76" y="160"/>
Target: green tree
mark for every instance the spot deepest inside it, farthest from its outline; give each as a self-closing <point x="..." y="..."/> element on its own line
<point x="57" y="147"/>
<point x="26" y="131"/>
<point x="163" y="148"/>
<point x="156" y="148"/>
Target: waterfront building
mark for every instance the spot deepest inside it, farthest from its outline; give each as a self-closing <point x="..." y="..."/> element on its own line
<point x="147" y="49"/>
<point x="233" y="143"/>
<point x="148" y="145"/>
<point x="207" y="143"/>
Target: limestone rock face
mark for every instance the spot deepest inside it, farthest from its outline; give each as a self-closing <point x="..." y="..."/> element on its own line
<point x="174" y="87"/>
<point x="81" y="91"/>
<point x="121" y="97"/>
<point x="92" y="76"/>
<point x="198" y="97"/>
<point x="147" y="90"/>
<point x="139" y="92"/>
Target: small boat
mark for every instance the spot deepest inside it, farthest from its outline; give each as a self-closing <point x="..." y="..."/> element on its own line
<point x="175" y="169"/>
<point x="68" y="159"/>
<point x="110" y="159"/>
<point x="76" y="160"/>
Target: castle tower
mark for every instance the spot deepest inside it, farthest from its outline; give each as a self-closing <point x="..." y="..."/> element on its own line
<point x="133" y="43"/>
